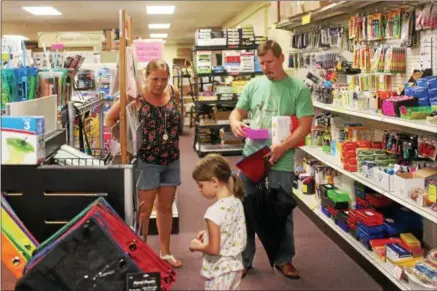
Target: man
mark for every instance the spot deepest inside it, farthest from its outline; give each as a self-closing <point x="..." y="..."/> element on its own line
<point x="274" y="94"/>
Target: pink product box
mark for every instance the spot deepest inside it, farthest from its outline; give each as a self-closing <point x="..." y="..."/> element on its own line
<point x="261" y="133"/>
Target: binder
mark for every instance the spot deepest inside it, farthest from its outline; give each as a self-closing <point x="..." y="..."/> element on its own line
<point x="253" y="166"/>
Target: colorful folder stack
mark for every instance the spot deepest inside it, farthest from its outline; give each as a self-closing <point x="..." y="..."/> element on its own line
<point x="18" y="243"/>
<point x="96" y="250"/>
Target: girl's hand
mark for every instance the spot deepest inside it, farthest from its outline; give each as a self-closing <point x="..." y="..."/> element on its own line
<point x="196" y="245"/>
<point x="201" y="235"/>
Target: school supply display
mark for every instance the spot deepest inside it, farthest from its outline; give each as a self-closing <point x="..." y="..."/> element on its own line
<point x="101" y="237"/>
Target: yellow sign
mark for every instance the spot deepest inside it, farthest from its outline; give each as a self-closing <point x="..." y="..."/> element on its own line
<point x="4" y="57"/>
<point x="71" y="39"/>
<point x="306" y="19"/>
<point x="432" y="193"/>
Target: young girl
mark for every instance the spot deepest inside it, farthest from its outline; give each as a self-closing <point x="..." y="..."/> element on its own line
<point x="224" y="239"/>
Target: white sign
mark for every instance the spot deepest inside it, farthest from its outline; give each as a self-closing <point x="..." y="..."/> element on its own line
<point x="71" y="39"/>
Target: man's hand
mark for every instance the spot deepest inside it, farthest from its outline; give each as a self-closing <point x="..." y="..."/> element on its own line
<point x="201" y="235"/>
<point x="277" y="150"/>
<point x="237" y="128"/>
<point x="196" y="245"/>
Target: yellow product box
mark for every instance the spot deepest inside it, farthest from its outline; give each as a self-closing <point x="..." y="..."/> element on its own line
<point x="410" y="240"/>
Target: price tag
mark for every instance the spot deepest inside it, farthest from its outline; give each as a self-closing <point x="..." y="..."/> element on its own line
<point x="397" y="272"/>
<point x="143" y="281"/>
<point x="304" y="188"/>
<point x="306" y="19"/>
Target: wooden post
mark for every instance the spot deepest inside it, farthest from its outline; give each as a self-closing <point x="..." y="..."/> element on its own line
<point x="108" y="38"/>
<point x="130" y="30"/>
<point x="123" y="97"/>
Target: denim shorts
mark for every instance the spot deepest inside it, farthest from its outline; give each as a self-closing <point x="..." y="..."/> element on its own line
<point x="152" y="176"/>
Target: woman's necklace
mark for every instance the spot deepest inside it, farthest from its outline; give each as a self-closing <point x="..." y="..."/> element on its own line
<point x="165" y="135"/>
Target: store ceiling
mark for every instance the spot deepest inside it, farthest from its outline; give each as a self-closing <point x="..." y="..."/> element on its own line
<point x="99" y="15"/>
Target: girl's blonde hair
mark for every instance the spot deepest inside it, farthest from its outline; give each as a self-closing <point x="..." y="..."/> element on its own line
<point x="214" y="165"/>
<point x="156" y="65"/>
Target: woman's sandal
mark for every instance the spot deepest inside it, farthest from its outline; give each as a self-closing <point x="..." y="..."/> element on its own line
<point x="171" y="260"/>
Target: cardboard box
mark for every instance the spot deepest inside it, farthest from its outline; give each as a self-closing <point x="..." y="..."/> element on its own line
<point x="382" y="179"/>
<point x="404" y="183"/>
<point x="309" y="6"/>
<point x="222" y="115"/>
<point x="23" y="140"/>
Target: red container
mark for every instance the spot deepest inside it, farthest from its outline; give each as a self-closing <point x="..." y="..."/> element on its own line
<point x="361" y="202"/>
<point x="348" y="154"/>
<point x="350" y="168"/>
<point x="376" y="145"/>
<point x="363" y="144"/>
<point x="378" y="200"/>
<point x="346" y="146"/>
<point x="351" y="161"/>
<point x="369" y="217"/>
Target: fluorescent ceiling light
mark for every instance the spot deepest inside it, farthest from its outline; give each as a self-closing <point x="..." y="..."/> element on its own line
<point x="42" y="10"/>
<point x="11" y="36"/>
<point x="159" y="26"/>
<point x="158" y="35"/>
<point x="160" y="9"/>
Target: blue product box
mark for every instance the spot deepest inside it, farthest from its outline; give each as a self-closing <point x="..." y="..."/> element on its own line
<point x="395" y="251"/>
<point x="420" y="92"/>
<point x="378" y="231"/>
<point x="23" y="140"/>
<point x="432" y="93"/>
<point x="343" y="225"/>
<point x="409" y="91"/>
<point x="422" y="82"/>
<point x="326" y="212"/>
<point x="433" y="101"/>
<point x="365" y="237"/>
<point x="432" y="82"/>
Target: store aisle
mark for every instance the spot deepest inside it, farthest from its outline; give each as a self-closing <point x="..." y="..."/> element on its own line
<point x="323" y="265"/>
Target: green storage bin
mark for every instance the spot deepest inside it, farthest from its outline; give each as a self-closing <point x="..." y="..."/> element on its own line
<point x="338" y="196"/>
<point x="415" y="112"/>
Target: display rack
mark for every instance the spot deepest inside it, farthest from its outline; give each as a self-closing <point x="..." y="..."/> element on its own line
<point x="202" y="148"/>
<point x="179" y="78"/>
<point x="331" y="161"/>
<point x="312" y="204"/>
<point x="83" y="109"/>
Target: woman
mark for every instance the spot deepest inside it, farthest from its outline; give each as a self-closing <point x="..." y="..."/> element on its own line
<point x="158" y="157"/>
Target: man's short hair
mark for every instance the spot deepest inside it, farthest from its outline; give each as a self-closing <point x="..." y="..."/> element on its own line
<point x="267" y="45"/>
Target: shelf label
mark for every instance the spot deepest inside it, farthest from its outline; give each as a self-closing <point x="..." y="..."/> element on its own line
<point x="306" y="19"/>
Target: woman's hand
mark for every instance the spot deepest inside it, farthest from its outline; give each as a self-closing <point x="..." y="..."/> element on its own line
<point x="196" y="245"/>
<point x="201" y="235"/>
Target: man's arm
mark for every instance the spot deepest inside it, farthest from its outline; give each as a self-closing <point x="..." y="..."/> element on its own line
<point x="236" y="121"/>
<point x="299" y="134"/>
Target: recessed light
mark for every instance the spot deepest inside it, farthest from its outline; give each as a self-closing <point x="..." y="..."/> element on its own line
<point x="158" y="35"/>
<point x="160" y="9"/>
<point x="159" y="26"/>
<point x="11" y="36"/>
<point x="42" y="10"/>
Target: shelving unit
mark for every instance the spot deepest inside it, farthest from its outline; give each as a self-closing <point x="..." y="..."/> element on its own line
<point x="311" y="202"/>
<point x="332" y="162"/>
<point x="423" y="125"/>
<point x="207" y="148"/>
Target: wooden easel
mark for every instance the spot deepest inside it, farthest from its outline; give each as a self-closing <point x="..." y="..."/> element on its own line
<point x="126" y="38"/>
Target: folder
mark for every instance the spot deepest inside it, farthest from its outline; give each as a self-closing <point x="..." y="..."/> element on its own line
<point x="12" y="257"/>
<point x="254" y="165"/>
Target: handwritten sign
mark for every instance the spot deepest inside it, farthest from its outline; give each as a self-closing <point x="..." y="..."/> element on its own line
<point x="306" y="19"/>
<point x="147" y="51"/>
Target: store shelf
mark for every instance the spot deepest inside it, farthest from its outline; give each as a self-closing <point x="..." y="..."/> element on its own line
<point x="89" y="105"/>
<point x="337" y="9"/>
<point x="310" y="200"/>
<point x="220" y="123"/>
<point x="224" y="149"/>
<point x="332" y="161"/>
<point x="213" y="102"/>
<point x="230" y="74"/>
<point x="422" y="125"/>
<point x="224" y="48"/>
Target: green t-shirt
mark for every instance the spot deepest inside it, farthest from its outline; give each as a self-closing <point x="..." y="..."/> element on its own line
<point x="265" y="99"/>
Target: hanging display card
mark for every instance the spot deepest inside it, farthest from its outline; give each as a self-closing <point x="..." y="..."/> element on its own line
<point x="147" y="51"/>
